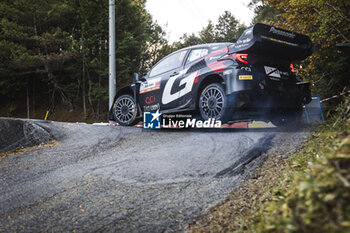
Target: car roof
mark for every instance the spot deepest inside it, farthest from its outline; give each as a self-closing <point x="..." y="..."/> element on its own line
<point x="205" y="45"/>
<point x="211" y="45"/>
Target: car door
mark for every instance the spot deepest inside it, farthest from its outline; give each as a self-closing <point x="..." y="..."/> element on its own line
<point x="159" y="91"/>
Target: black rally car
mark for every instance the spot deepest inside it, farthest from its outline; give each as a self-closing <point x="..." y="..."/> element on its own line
<point x="253" y="77"/>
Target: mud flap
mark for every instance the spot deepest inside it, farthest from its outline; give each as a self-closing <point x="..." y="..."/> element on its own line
<point x="305" y="93"/>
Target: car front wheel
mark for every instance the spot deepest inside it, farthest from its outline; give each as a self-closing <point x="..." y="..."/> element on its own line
<point x="125" y="110"/>
<point x="214" y="104"/>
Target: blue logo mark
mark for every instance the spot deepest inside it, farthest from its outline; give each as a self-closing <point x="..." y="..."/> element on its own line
<point x="151" y="120"/>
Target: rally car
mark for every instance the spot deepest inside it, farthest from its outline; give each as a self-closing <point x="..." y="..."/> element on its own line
<point x="252" y="78"/>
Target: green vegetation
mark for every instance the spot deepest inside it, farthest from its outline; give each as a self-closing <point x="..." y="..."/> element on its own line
<point x="56" y="51"/>
<point x="228" y="29"/>
<point x="313" y="194"/>
<point x="327" y="22"/>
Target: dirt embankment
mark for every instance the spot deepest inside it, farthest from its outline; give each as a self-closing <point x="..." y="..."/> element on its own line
<point x="16" y="134"/>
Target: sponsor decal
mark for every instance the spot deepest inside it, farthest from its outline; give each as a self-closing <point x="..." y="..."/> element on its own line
<point x="245" y="41"/>
<point x="282" y="33"/>
<point x="150" y="99"/>
<point x="188" y="81"/>
<point x="245" y="77"/>
<point x="150" y="85"/>
<point x="279" y="41"/>
<point x="197" y="54"/>
<point x="276" y="79"/>
<point x="151" y="108"/>
<point x="241" y="45"/>
<point x="227" y="72"/>
<point x="217" y="66"/>
<point x="284" y="73"/>
<point x="246" y="68"/>
<point x="256" y="125"/>
<point x="214" y="58"/>
<point x="151" y="120"/>
<point x="272" y="71"/>
<point x="248" y="31"/>
<point x="216" y="52"/>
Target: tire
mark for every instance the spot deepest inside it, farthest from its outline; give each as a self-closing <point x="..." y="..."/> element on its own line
<point x="213" y="103"/>
<point x="125" y="110"/>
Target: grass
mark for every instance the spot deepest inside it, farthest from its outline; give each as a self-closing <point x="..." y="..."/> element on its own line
<point x="308" y="191"/>
<point x="313" y="195"/>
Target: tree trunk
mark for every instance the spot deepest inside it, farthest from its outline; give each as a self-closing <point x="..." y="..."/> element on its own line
<point x="84" y="100"/>
<point x="54" y="83"/>
<point x="33" y="97"/>
<point x="89" y="89"/>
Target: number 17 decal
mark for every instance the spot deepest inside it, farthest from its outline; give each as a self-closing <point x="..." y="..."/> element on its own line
<point x="188" y="81"/>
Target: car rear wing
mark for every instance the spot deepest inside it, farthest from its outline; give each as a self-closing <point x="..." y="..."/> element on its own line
<point x="270" y="41"/>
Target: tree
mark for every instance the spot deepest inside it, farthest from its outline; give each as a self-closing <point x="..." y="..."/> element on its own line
<point x="155" y="48"/>
<point x="228" y="29"/>
<point x="327" y="23"/>
<point x="264" y="11"/>
<point x="60" y="48"/>
<point x="32" y="44"/>
<point x="207" y="34"/>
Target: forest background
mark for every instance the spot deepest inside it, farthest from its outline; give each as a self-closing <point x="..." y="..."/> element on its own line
<point x="54" y="53"/>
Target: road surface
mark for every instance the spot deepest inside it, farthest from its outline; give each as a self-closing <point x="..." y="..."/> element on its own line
<point x="125" y="179"/>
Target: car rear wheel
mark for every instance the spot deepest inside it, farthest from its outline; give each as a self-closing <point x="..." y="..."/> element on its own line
<point x="125" y="110"/>
<point x="214" y="104"/>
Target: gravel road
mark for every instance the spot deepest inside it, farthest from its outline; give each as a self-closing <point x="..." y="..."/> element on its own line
<point x="125" y="179"/>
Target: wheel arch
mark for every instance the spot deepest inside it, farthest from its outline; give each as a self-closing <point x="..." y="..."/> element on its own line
<point x="127" y="90"/>
<point x="213" y="78"/>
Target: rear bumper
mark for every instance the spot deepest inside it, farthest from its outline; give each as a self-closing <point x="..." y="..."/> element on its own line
<point x="258" y="85"/>
<point x="296" y="92"/>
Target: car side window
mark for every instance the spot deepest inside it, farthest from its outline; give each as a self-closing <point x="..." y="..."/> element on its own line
<point x="171" y="62"/>
<point x="196" y="54"/>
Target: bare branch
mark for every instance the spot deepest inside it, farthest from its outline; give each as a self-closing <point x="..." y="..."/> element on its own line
<point x="343" y="180"/>
<point x="339" y="13"/>
<point x="335" y="28"/>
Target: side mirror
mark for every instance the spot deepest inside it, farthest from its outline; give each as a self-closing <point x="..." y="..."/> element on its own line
<point x="136" y="77"/>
